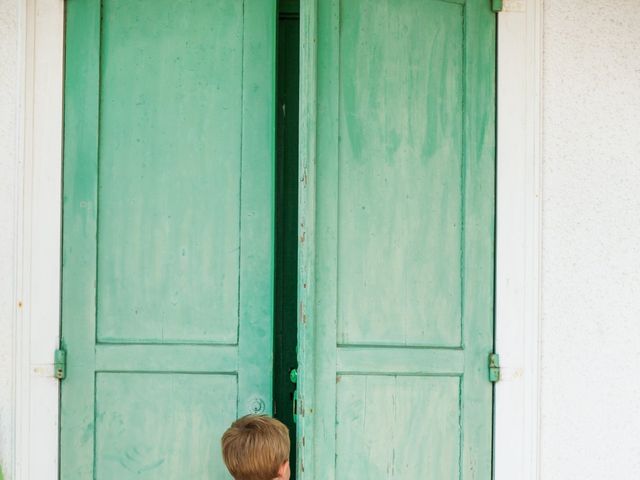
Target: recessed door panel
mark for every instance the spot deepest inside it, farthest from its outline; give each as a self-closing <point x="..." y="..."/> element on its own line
<point x="400" y="173"/>
<point x="169" y="171"/>
<point x="177" y="409"/>
<point x="397" y="427"/>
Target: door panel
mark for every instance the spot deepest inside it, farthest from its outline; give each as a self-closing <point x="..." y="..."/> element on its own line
<point x="169" y="175"/>
<point x="396" y="340"/>
<point x="397" y="427"/>
<point x="128" y="407"/>
<point x="400" y="107"/>
<point x="167" y="307"/>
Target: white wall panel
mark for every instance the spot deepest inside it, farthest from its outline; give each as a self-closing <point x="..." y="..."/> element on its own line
<point x="9" y="67"/>
<point x="591" y="240"/>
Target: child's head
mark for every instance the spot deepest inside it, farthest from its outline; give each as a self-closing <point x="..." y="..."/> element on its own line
<point x="256" y="447"/>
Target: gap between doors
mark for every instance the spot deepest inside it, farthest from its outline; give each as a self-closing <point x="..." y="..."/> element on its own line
<point x="286" y="218"/>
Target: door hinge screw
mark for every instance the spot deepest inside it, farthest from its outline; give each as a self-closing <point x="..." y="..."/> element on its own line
<point x="60" y="364"/>
<point x="494" y="367"/>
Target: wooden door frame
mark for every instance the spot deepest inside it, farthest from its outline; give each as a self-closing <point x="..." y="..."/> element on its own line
<point x="518" y="232"/>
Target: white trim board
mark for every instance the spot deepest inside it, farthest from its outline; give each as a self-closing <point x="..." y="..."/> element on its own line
<point x="517" y="239"/>
<point x="38" y="254"/>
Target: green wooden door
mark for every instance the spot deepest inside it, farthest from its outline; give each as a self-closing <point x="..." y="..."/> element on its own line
<point x="168" y="233"/>
<point x="397" y="293"/>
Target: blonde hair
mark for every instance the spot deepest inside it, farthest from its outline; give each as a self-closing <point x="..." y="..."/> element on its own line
<point x="254" y="447"/>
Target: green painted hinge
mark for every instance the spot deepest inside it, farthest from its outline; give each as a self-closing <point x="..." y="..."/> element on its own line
<point x="293" y="376"/>
<point x="60" y="364"/>
<point x="494" y="367"/>
<point x="496" y="5"/>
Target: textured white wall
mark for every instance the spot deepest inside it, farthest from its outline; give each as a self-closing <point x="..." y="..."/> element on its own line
<point x="591" y="241"/>
<point x="8" y="98"/>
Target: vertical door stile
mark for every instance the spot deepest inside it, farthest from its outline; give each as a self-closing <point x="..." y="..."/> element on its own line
<point x="478" y="234"/>
<point x="326" y="266"/>
<point x="80" y="224"/>
<point x="307" y="240"/>
<point x="257" y="210"/>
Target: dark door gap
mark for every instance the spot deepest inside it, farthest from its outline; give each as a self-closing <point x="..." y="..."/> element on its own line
<point x="286" y="228"/>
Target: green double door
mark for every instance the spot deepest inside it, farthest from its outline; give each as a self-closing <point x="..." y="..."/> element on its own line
<point x="169" y="236"/>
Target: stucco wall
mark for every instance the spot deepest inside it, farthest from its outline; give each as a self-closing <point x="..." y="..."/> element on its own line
<point x="8" y="97"/>
<point x="591" y="237"/>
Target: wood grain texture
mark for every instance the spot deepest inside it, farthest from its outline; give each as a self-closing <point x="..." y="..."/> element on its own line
<point x="169" y="170"/>
<point x="397" y="427"/>
<point x="404" y="219"/>
<point x="257" y="220"/>
<point x="156" y="358"/>
<point x="306" y="428"/>
<point x="185" y="444"/>
<point x="479" y="221"/>
<point x="168" y="269"/>
<point x="399" y="176"/>
<point x="400" y="360"/>
<point x="400" y="151"/>
<point x="79" y="244"/>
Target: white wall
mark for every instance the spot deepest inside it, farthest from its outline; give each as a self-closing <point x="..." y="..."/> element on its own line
<point x="8" y="103"/>
<point x="591" y="241"/>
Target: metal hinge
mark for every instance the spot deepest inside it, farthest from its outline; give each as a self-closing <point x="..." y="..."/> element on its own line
<point x="494" y="367"/>
<point x="496" y="5"/>
<point x="293" y="376"/>
<point x="60" y="364"/>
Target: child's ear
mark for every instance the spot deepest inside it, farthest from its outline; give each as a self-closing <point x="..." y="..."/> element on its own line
<point x="283" y="471"/>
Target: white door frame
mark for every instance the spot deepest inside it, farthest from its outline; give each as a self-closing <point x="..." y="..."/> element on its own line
<point x="39" y="176"/>
<point x="39" y="189"/>
<point x="518" y="240"/>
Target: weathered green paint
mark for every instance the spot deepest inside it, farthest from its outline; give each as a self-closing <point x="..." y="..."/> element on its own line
<point x="396" y="237"/>
<point x="494" y="367"/>
<point x="159" y="258"/>
<point x="398" y="426"/>
<point x="60" y="364"/>
<point x="167" y="301"/>
<point x="400" y="204"/>
<point x="305" y="466"/>
<point x="161" y="425"/>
